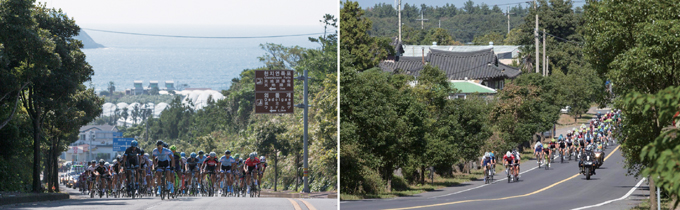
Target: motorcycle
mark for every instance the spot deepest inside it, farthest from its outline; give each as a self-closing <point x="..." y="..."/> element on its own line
<point x="588" y="166"/>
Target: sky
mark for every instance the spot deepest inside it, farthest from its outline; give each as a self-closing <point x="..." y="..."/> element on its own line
<point x="458" y="3"/>
<point x="200" y="12"/>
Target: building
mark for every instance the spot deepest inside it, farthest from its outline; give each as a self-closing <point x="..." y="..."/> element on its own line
<point x="94" y="142"/>
<point x="138" y="90"/>
<point x="467" y="87"/>
<point x="169" y="85"/>
<point x="505" y="53"/>
<point x="153" y="84"/>
<point x="481" y="66"/>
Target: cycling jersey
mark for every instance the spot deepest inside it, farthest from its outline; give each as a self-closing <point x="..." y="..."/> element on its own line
<point x="177" y="161"/>
<point x="226" y="162"/>
<point x="162" y="155"/>
<point x="100" y="169"/>
<point x="509" y="158"/>
<point x="192" y="163"/>
<point x="486" y="161"/>
<point x="252" y="162"/>
<point x="538" y="146"/>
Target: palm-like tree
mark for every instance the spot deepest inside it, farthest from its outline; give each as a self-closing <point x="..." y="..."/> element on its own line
<point x="135" y="113"/>
<point x="125" y="116"/>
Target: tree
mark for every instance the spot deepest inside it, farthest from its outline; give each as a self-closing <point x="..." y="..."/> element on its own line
<point x="494" y="37"/>
<point x="513" y="37"/>
<point x="270" y="145"/>
<point x="441" y="36"/>
<point x="280" y="57"/>
<point x="634" y="48"/>
<point x="125" y="114"/>
<point x="111" y="87"/>
<point x="357" y="48"/>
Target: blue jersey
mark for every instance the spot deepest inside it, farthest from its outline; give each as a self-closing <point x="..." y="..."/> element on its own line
<point x="227" y="161"/>
<point x="486" y="161"/>
<point x="163" y="155"/>
<point x="201" y="159"/>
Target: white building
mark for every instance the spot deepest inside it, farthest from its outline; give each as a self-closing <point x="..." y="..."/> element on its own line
<point x="94" y="142"/>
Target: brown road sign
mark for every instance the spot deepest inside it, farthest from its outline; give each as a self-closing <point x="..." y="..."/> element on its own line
<point x="274" y="102"/>
<point x="274" y="80"/>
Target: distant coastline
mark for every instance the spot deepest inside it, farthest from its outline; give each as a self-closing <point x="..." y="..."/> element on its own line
<point x="88" y="42"/>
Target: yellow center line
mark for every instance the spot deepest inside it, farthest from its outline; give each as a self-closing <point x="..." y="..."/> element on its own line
<point x="309" y="205"/>
<point x="295" y="204"/>
<point x="504" y="198"/>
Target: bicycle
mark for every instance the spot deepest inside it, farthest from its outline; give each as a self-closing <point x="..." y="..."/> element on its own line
<point x="253" y="187"/>
<point x="488" y="175"/>
<point x="547" y="161"/>
<point x="131" y="184"/>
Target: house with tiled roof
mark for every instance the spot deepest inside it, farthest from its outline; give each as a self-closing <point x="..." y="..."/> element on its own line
<point x="481" y="66"/>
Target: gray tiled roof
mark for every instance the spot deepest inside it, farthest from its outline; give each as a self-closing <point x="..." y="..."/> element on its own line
<point x="481" y="64"/>
<point x="407" y="65"/>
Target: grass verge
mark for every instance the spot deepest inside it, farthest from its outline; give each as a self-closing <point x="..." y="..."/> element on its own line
<point x="440" y="182"/>
<point x="645" y="205"/>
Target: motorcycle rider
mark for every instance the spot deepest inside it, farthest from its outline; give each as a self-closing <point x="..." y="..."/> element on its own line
<point x="588" y="153"/>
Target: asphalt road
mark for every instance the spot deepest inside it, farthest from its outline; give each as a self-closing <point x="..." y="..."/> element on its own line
<point x="79" y="201"/>
<point x="560" y="187"/>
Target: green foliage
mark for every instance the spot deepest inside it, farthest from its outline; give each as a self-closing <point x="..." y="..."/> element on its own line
<point x="495" y="37"/>
<point x="441" y="36"/>
<point x="462" y="24"/>
<point x="636" y="48"/>
<point x="358" y="49"/>
<point x="156" y="99"/>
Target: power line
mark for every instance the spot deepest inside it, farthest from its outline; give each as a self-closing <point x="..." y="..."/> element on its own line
<point x="202" y="37"/>
<point x="563" y="39"/>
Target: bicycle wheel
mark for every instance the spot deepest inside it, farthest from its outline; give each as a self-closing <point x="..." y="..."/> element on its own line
<point x="162" y="185"/>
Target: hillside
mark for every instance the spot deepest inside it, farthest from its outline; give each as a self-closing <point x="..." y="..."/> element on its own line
<point x="88" y="42"/>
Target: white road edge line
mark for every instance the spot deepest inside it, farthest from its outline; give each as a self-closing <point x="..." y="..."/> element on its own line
<point x="618" y="199"/>
<point x="480" y="186"/>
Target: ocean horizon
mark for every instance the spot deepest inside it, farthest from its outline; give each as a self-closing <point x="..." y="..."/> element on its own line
<point x="197" y="62"/>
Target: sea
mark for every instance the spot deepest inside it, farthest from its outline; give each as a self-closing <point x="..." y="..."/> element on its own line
<point x="197" y="62"/>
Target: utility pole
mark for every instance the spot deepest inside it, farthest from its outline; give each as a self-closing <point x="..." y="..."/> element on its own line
<point x="440" y="23"/>
<point x="422" y="19"/>
<point x="399" y="13"/>
<point x="545" y="65"/>
<point x="508" y="12"/>
<point x="536" y="34"/>
<point x="305" y="105"/>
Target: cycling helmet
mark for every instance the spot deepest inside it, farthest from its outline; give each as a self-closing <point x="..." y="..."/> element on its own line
<point x="262" y="159"/>
<point x="159" y="142"/>
<point x="508" y="153"/>
<point x="552" y="140"/>
<point x="115" y="161"/>
<point x="213" y="154"/>
<point x="193" y="155"/>
<point x="227" y="152"/>
<point x="200" y="152"/>
<point x="252" y="155"/>
<point x="165" y="145"/>
<point x="183" y="154"/>
<point x="134" y="143"/>
<point x="93" y="161"/>
<point x="107" y="164"/>
<point x="486" y="154"/>
<point x="173" y="148"/>
<point x="146" y="154"/>
<point x="236" y="156"/>
<point x="255" y="153"/>
<point x="101" y="161"/>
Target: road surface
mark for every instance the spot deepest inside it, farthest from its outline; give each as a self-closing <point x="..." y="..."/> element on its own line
<point x="79" y="201"/>
<point x="560" y="187"/>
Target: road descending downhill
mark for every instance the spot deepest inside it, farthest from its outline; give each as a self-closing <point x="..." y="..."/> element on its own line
<point x="560" y="187"/>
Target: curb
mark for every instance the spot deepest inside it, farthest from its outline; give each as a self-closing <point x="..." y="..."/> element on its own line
<point x="293" y="195"/>
<point x="33" y="198"/>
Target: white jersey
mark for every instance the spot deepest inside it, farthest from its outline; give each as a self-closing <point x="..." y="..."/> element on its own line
<point x="538" y="144"/>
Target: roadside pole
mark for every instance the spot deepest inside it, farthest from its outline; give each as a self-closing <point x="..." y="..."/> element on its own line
<point x="305" y="106"/>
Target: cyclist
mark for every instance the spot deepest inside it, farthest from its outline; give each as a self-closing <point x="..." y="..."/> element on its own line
<point x="131" y="160"/>
<point x="183" y="163"/>
<point x="107" y="175"/>
<point x="491" y="154"/>
<point x="201" y="158"/>
<point x="115" y="168"/>
<point x="508" y="161"/>
<point x="570" y="142"/>
<point x="538" y="151"/>
<point x="209" y="166"/>
<point x="486" y="164"/>
<point x="99" y="171"/>
<point x="177" y="170"/>
<point x="562" y="144"/>
<point x="249" y="166"/>
<point x="191" y="167"/>
<point x="517" y="159"/>
<point x="227" y="163"/>
<point x="162" y="159"/>
<point x="239" y="169"/>
<point x="146" y="170"/>
<point x="553" y="144"/>
<point x="90" y="174"/>
<point x="261" y="168"/>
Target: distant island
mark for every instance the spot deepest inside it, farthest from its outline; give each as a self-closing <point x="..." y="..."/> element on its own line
<point x="88" y="42"/>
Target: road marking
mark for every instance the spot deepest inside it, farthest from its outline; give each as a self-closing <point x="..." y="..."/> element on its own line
<point x="483" y="185"/>
<point x="309" y="205"/>
<point x="618" y="199"/>
<point x="295" y="204"/>
<point x="504" y="198"/>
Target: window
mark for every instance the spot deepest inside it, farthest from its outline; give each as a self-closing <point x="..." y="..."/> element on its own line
<point x="461" y="96"/>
